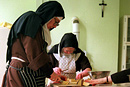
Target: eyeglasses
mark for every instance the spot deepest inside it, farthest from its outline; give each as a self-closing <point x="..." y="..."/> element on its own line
<point x="68" y="50"/>
<point x="56" y="22"/>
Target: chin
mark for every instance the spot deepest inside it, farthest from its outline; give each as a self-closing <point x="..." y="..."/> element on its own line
<point x="51" y="29"/>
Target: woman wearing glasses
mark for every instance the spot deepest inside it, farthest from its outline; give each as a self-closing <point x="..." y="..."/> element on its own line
<point x="67" y="58"/>
<point x="27" y="43"/>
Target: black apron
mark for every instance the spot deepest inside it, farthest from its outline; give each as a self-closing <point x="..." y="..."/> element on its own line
<point x="31" y="78"/>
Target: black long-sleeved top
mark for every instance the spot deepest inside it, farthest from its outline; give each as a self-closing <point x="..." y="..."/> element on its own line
<point x="121" y="77"/>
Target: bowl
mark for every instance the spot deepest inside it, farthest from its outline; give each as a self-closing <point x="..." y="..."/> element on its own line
<point x="98" y="74"/>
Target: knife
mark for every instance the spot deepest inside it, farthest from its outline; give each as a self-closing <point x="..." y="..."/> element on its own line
<point x="61" y="81"/>
<point x="80" y="82"/>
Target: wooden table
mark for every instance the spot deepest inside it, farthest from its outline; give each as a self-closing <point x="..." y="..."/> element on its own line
<point x="100" y="85"/>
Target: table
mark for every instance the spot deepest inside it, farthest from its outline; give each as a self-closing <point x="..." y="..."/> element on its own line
<point x="100" y="85"/>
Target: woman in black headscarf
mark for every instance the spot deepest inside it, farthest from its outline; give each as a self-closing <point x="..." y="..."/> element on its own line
<point x="27" y="42"/>
<point x="67" y="58"/>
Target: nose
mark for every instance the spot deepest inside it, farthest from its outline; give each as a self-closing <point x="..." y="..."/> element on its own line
<point x="69" y="52"/>
<point x="54" y="26"/>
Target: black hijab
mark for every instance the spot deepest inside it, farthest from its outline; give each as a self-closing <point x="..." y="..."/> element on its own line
<point x="29" y="22"/>
<point x="68" y="40"/>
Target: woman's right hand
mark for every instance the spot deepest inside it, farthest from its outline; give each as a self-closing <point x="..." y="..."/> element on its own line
<point x="57" y="70"/>
<point x="55" y="77"/>
<point x="64" y="78"/>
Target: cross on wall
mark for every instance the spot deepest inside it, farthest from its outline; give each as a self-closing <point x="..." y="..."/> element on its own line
<point x="103" y="4"/>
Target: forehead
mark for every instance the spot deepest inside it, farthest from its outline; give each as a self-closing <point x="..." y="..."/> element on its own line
<point x="57" y="19"/>
<point x="68" y="48"/>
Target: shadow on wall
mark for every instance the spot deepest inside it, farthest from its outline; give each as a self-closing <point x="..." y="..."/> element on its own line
<point x="83" y="41"/>
<point x="83" y="36"/>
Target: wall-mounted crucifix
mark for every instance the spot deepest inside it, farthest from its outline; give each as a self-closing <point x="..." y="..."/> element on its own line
<point x="102" y="4"/>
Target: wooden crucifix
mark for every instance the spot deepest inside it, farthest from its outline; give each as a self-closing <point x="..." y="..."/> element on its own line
<point x="102" y="4"/>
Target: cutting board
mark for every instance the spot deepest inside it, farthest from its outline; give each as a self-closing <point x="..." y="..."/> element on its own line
<point x="60" y="85"/>
<point x="71" y="83"/>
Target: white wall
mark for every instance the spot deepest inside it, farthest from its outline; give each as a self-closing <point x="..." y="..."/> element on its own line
<point x="98" y="36"/>
<point x="3" y="47"/>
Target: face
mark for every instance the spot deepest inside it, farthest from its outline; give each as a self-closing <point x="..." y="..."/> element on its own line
<point x="68" y="50"/>
<point x="53" y="23"/>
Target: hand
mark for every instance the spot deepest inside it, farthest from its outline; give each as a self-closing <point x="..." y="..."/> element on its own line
<point x="80" y="75"/>
<point x="57" y="70"/>
<point x="55" y="77"/>
<point x="97" y="81"/>
<point x="64" y="78"/>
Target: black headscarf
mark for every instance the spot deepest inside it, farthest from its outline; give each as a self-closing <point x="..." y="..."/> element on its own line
<point x="29" y="22"/>
<point x="68" y="40"/>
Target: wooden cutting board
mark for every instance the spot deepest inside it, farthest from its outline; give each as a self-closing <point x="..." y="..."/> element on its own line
<point x="60" y="85"/>
<point x="71" y="83"/>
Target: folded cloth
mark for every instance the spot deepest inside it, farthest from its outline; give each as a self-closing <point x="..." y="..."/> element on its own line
<point x="6" y="24"/>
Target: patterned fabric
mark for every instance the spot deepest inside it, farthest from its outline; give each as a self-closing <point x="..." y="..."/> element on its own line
<point x="68" y="65"/>
<point x="31" y="78"/>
